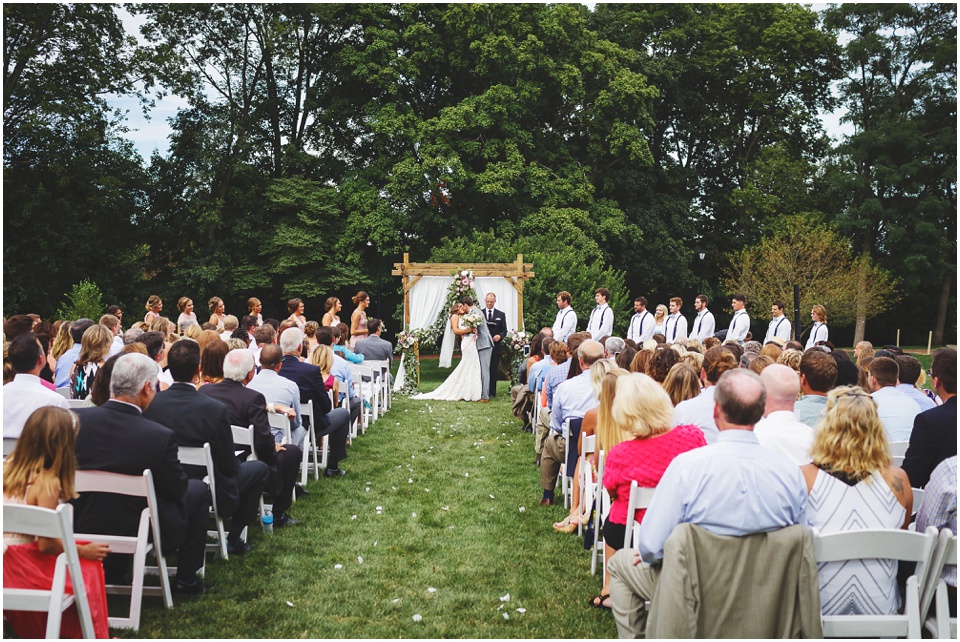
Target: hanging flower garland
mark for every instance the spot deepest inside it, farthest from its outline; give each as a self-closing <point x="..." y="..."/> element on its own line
<point x="461" y="286"/>
<point x="408" y="345"/>
<point x="514" y="343"/>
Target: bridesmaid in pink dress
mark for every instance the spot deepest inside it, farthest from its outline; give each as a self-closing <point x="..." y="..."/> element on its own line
<point x="358" y="320"/>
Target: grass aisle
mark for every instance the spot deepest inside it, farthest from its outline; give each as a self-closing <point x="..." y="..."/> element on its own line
<point x="432" y="507"/>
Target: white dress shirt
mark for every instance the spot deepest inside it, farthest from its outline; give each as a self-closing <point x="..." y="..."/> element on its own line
<point x="783" y="432"/>
<point x="675" y="327"/>
<point x="739" y="326"/>
<point x="699" y="412"/>
<point x="896" y="411"/>
<point x="641" y="327"/>
<point x="601" y="322"/>
<point x="21" y="397"/>
<point x="116" y="346"/>
<point x="704" y="325"/>
<point x="779" y="327"/>
<point x="565" y="325"/>
<point x="818" y="333"/>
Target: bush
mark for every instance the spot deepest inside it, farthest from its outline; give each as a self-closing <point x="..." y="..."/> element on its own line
<point x="83" y="301"/>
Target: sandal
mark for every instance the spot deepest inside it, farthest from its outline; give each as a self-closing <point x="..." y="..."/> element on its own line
<point x="598" y="601"/>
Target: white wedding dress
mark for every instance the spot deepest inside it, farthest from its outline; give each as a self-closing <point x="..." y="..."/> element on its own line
<point x="464" y="383"/>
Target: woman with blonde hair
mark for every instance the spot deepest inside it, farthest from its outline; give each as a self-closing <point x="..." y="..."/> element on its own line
<point x="217" y="309"/>
<point x="358" y="320"/>
<point x="642" y="408"/>
<point x="94" y="347"/>
<point x="853" y="485"/>
<point x="40" y="472"/>
<point x="310" y="336"/>
<point x="864" y="354"/>
<point x="165" y="327"/>
<point x="254" y="307"/>
<point x="153" y="306"/>
<point x="206" y="337"/>
<point x="819" y="332"/>
<point x="332" y="309"/>
<point x="588" y="427"/>
<point x="682" y="383"/>
<point x="192" y="331"/>
<point x="660" y="320"/>
<point x="791" y="358"/>
<point x="639" y="363"/>
<point x="694" y="360"/>
<point x="62" y="343"/>
<point x="771" y="350"/>
<point x="322" y="357"/>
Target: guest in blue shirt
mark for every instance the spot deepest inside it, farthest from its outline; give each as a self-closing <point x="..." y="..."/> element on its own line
<point x="340" y="345"/>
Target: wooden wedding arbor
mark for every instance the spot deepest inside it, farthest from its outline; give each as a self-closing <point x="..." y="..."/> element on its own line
<point x="517" y="273"/>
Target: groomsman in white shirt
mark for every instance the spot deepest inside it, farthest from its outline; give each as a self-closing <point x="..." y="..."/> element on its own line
<point x="704" y="325"/>
<point x="675" y="327"/>
<point x="641" y="323"/>
<point x="566" y="323"/>
<point x="601" y="317"/>
<point x="740" y="323"/>
<point x="779" y="324"/>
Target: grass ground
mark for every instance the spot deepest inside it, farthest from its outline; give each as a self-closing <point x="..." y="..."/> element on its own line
<point x="437" y="517"/>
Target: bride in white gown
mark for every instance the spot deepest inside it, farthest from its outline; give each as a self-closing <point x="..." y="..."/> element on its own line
<point x="464" y="383"/>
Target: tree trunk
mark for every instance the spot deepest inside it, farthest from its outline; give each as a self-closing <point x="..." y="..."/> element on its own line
<point x="942" y="309"/>
<point x="861" y="327"/>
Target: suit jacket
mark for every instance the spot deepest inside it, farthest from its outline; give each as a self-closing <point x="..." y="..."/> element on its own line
<point x="198" y="419"/>
<point x="933" y="439"/>
<point x="245" y="407"/>
<point x="116" y="438"/>
<point x="375" y="348"/>
<point x="484" y="338"/>
<point x="308" y="378"/>
<point x="497" y="326"/>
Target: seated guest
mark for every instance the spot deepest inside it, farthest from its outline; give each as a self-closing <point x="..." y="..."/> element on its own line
<point x="780" y="430"/>
<point x="230" y="324"/>
<point x="733" y="487"/>
<point x="94" y="347"/>
<point x="248" y="324"/>
<point x="112" y="324"/>
<point x="328" y="421"/>
<point x="247" y="407"/>
<point x="612" y="347"/>
<point x="682" y="383"/>
<point x="910" y="370"/>
<point x="211" y="361"/>
<point x="375" y="347"/>
<point x="625" y="358"/>
<point x="896" y="410"/>
<point x="132" y="336"/>
<point x="699" y="410"/>
<point x="67" y="359"/>
<point x="322" y="357"/>
<point x="934" y="434"/>
<point x="197" y="419"/>
<point x="310" y="337"/>
<point x="559" y="354"/>
<point x="25" y="394"/>
<point x="157" y="350"/>
<point x="939" y="509"/>
<point x="116" y="438"/>
<point x="791" y="359"/>
<point x="643" y="408"/>
<point x="854" y="486"/>
<point x="660" y="363"/>
<point x="341" y="372"/>
<point x="282" y="395"/>
<point x="340" y="344"/>
<point x="262" y="336"/>
<point x="818" y="375"/>
<point x="40" y="472"/>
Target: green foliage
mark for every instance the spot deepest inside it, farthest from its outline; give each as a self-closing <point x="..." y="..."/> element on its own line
<point x="84" y="300"/>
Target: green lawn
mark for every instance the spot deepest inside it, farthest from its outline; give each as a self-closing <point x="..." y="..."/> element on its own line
<point x="459" y="529"/>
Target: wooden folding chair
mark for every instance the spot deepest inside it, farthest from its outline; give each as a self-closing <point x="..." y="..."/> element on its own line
<point x="98" y="481"/>
<point x="203" y="456"/>
<point x="44" y="522"/>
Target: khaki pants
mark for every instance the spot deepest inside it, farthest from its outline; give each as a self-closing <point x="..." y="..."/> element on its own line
<point x="550" y="459"/>
<point x="542" y="429"/>
<point x="630" y="587"/>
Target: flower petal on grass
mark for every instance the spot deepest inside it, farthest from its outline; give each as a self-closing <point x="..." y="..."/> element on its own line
<point x="431" y="590"/>
<point x="289" y="603"/>
<point x="417" y="617"/>
<point x="413" y="514"/>
<point x="338" y="566"/>
<point x="359" y="560"/>
<point x="521" y="610"/>
<point x="522" y="509"/>
<point x="506" y="616"/>
<point x="505" y="598"/>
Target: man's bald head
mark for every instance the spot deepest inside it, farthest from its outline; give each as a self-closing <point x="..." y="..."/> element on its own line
<point x="740" y="400"/>
<point x="590" y="352"/>
<point x="270" y="356"/>
<point x="782" y="385"/>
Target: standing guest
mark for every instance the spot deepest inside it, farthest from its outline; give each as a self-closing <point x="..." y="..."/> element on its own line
<point x="910" y="370"/>
<point x="675" y="327"/>
<point x="566" y="321"/>
<point x="896" y="410"/>
<point x="699" y="410"/>
<point x="116" y="438"/>
<point x="819" y="331"/>
<point x="853" y="486"/>
<point x="779" y="324"/>
<point x="67" y="359"/>
<point x="255" y="308"/>
<point x="818" y="376"/>
<point x="187" y="315"/>
<point x="659" y="320"/>
<point x="934" y="434"/>
<point x="704" y="325"/>
<point x="26" y="393"/>
<point x="939" y="509"/>
<point x="94" y="346"/>
<point x="215" y="304"/>
<point x="40" y="472"/>
<point x="497" y="325"/>
<point x="358" y="320"/>
<point x="780" y="430"/>
<point x="600" y="324"/>
<point x="153" y="306"/>
<point x="295" y="307"/>
<point x="641" y="323"/>
<point x="332" y="311"/>
<point x="740" y="323"/>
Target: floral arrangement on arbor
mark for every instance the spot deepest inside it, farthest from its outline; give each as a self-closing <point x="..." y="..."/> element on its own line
<point x="513" y="344"/>
<point x="408" y="345"/>
<point x="462" y="285"/>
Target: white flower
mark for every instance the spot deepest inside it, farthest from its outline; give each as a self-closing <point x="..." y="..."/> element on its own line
<point x="359" y="560"/>
<point x="505" y="598"/>
<point x="521" y="610"/>
<point x="417" y="617"/>
<point x="413" y="515"/>
<point x="506" y="616"/>
<point x="338" y="566"/>
<point x="522" y="509"/>
<point x="431" y="590"/>
<point x="289" y="603"/>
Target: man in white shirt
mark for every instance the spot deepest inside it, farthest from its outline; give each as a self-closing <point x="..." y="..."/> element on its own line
<point x="909" y="375"/>
<point x="112" y="324"/>
<point x="779" y="324"/>
<point x="566" y="323"/>
<point x="897" y="411"/>
<point x="641" y="323"/>
<point x="23" y="395"/>
<point x="704" y="325"/>
<point x="601" y="318"/>
<point x="675" y="327"/>
<point x="740" y="323"/>
<point x="699" y="410"/>
<point x="780" y="430"/>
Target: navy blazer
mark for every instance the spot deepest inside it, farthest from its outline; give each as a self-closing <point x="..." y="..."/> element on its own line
<point x="308" y="378"/>
<point x="116" y="438"/>
<point x="199" y="419"/>
<point x="933" y="439"/>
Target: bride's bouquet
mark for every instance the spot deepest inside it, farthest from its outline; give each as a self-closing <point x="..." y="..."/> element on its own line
<point x="473" y="319"/>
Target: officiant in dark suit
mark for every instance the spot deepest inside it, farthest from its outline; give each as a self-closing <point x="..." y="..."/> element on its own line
<point x="497" y="325"/>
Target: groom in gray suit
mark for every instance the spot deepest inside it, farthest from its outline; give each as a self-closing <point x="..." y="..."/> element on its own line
<point x="484" y="349"/>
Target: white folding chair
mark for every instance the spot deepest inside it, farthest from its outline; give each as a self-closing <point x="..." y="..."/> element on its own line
<point x="9" y="443"/>
<point x="312" y="457"/>
<point x="534" y="413"/>
<point x="77" y="403"/>
<point x="44" y="522"/>
<point x="640" y="498"/>
<point x="369" y="391"/>
<point x="203" y="456"/>
<point x="98" y="481"/>
<point x="603" y="509"/>
<point x="941" y="625"/>
<point x="897" y="460"/>
<point x="280" y="421"/>
<point x="563" y="478"/>
<point x="64" y="392"/>
<point x="871" y="544"/>
<point x="898" y="448"/>
<point x="244" y="437"/>
<point x="585" y="479"/>
<point x="382" y="369"/>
